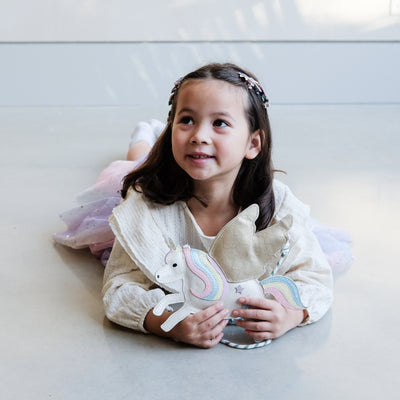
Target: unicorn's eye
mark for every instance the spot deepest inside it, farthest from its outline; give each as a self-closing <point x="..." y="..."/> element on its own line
<point x="174" y="265"/>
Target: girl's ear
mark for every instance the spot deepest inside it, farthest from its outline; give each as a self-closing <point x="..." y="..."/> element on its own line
<point x="254" y="146"/>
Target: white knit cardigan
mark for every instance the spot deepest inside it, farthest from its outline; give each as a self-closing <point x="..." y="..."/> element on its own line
<point x="146" y="232"/>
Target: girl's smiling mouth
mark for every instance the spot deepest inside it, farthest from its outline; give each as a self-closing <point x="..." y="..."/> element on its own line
<point x="200" y="156"/>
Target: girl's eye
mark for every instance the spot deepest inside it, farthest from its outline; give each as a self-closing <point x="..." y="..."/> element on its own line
<point x="187" y="120"/>
<point x="219" y="123"/>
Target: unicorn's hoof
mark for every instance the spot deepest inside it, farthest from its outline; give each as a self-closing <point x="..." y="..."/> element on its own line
<point x="157" y="311"/>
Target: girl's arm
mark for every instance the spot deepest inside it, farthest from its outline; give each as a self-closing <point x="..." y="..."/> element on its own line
<point x="307" y="266"/>
<point x="203" y="329"/>
<point x="267" y="319"/>
<point x="128" y="294"/>
<point x="129" y="297"/>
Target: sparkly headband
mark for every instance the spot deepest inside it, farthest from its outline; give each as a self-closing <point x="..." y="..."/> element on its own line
<point x="174" y="90"/>
<point x="252" y="84"/>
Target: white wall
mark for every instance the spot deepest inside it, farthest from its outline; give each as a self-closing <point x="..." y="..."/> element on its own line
<point x="211" y="20"/>
<point x="106" y="53"/>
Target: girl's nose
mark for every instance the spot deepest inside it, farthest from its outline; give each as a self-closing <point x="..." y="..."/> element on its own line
<point x="200" y="135"/>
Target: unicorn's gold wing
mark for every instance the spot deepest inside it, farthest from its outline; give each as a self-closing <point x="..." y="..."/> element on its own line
<point x="244" y="254"/>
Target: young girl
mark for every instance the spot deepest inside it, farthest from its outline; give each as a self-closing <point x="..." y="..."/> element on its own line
<point x="211" y="162"/>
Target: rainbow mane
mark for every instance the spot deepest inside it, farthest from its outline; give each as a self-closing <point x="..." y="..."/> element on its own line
<point x="284" y="290"/>
<point x="204" y="267"/>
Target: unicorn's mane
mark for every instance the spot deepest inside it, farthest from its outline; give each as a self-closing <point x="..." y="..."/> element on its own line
<point x="204" y="267"/>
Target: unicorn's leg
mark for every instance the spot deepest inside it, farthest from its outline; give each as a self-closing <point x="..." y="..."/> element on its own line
<point x="175" y="318"/>
<point x="166" y="301"/>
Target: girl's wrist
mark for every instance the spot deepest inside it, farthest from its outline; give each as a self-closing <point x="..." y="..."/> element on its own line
<point x="306" y="317"/>
<point x="152" y="323"/>
<point x="299" y="317"/>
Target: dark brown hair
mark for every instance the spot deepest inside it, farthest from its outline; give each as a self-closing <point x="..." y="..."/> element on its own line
<point x="162" y="181"/>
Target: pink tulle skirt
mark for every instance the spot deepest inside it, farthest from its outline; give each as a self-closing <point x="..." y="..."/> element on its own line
<point x="336" y="245"/>
<point x="88" y="227"/>
<point x="87" y="223"/>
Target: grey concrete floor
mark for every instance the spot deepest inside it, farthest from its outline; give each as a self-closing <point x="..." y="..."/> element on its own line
<point x="55" y="342"/>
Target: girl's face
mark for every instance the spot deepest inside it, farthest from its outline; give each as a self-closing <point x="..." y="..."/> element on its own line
<point x="210" y="132"/>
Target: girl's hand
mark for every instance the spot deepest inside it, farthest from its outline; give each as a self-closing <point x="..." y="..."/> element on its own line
<point x="203" y="329"/>
<point x="267" y="319"/>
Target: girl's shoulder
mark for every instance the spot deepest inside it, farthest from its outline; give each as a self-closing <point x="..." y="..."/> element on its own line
<point x="141" y="214"/>
<point x="138" y="203"/>
<point x="287" y="203"/>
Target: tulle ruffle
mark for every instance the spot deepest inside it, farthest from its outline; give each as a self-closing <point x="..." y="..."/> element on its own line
<point x="336" y="245"/>
<point x="87" y="224"/>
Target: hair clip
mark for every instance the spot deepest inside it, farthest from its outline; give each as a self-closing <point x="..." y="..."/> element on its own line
<point x="253" y="84"/>
<point x="174" y="90"/>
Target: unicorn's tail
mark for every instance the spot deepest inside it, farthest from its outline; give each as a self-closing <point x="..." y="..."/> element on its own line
<point x="284" y="290"/>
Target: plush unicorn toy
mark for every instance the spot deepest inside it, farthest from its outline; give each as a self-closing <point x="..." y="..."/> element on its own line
<point x="205" y="281"/>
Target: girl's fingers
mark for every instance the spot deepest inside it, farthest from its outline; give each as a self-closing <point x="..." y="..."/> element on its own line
<point x="259" y="336"/>
<point x="258" y="302"/>
<point x="210" y="329"/>
<point x="256" y="313"/>
<point x="254" y="326"/>
<point x="216" y="331"/>
<point x="204" y="328"/>
<point x="213" y="321"/>
<point x="208" y="343"/>
<point x="260" y="308"/>
<point x="208" y="312"/>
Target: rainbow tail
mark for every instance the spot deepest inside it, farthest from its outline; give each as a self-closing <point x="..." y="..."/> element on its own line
<point x="284" y="290"/>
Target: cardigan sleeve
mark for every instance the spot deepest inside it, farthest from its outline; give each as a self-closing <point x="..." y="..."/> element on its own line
<point x="127" y="293"/>
<point x="306" y="265"/>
